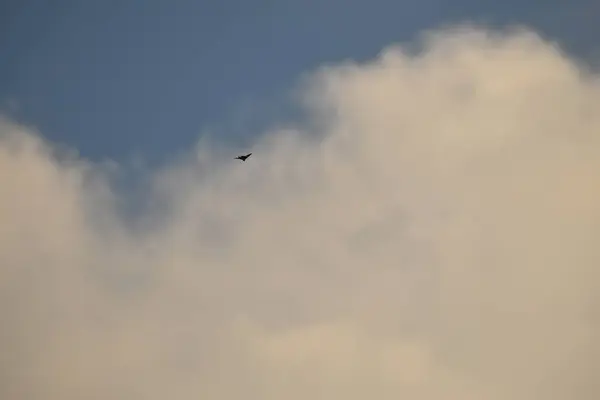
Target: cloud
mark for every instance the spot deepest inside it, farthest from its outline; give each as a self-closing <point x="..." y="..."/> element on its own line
<point x="430" y="233"/>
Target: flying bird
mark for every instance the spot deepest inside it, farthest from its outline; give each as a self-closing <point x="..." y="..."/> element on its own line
<point x="243" y="158"/>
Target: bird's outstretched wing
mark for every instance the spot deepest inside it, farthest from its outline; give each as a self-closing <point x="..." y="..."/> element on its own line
<point x="243" y="158"/>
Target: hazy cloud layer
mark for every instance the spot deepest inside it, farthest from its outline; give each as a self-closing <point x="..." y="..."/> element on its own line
<point x="432" y="236"/>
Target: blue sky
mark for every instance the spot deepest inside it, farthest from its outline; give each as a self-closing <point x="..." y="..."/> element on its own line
<point x="116" y="78"/>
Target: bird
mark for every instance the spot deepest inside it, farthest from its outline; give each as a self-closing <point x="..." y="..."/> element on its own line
<point x="243" y="158"/>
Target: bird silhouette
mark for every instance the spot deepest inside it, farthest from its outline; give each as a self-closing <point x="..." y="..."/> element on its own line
<point x="243" y="158"/>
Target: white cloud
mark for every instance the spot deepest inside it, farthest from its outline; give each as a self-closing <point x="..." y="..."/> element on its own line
<point x="435" y="240"/>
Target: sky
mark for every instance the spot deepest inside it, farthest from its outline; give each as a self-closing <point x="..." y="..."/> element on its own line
<point x="129" y="79"/>
<point x="423" y="224"/>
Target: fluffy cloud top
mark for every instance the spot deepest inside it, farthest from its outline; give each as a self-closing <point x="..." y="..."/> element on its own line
<point x="433" y="235"/>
